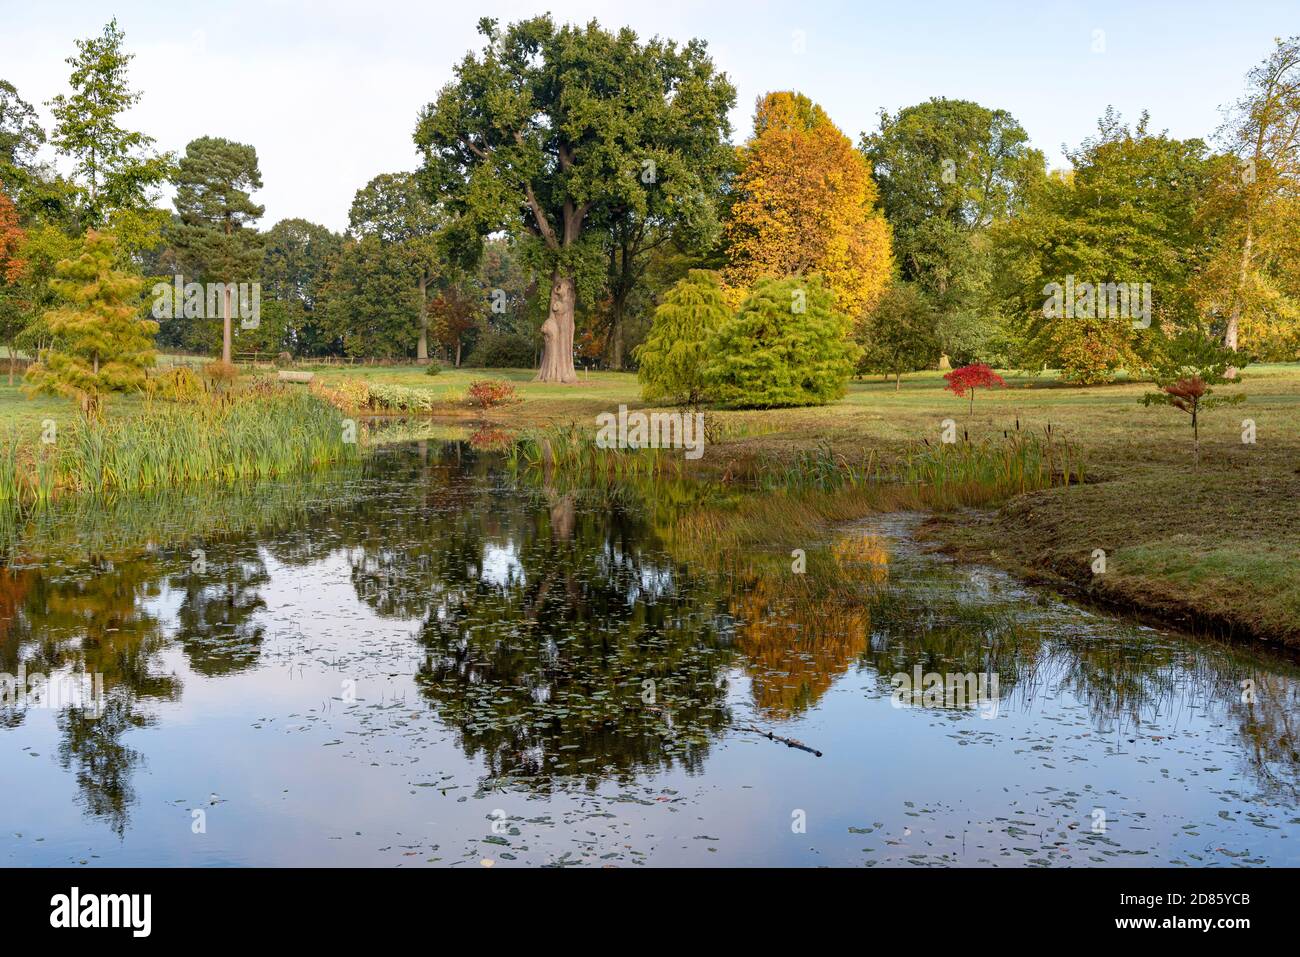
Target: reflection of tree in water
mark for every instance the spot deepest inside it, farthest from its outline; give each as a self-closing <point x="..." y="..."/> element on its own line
<point x="92" y="620"/>
<point x="1266" y="709"/>
<point x="83" y="608"/>
<point x="217" y="623"/>
<point x="800" y="632"/>
<point x="1125" y="675"/>
<point x="794" y="646"/>
<point x="92" y="748"/>
<point x="14" y="585"/>
<point x="546" y="625"/>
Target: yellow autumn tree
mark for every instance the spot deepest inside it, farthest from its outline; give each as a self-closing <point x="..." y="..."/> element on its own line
<point x="806" y="203"/>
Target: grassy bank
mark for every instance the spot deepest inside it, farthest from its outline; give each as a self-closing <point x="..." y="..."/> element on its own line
<point x="1215" y="545"/>
<point x="1211" y="547"/>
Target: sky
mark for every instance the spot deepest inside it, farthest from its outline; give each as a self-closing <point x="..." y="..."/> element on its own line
<point x="328" y="91"/>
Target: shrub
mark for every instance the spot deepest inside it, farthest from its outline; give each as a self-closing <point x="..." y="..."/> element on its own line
<point x="671" y="360"/>
<point x="177" y="384"/>
<point x="491" y="439"/>
<point x="400" y="398"/>
<point x="432" y="369"/>
<point x="787" y="346"/>
<point x="1188" y="366"/>
<point x="220" y="373"/>
<point x="497" y="349"/>
<point x="347" y="395"/>
<point x="489" y="392"/>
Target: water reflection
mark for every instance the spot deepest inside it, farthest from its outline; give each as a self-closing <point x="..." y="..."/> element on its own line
<point x="567" y="635"/>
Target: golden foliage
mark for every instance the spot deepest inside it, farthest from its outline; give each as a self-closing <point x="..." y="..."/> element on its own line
<point x="806" y="203"/>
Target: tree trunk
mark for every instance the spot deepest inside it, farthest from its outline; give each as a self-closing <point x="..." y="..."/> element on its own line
<point x="422" y="350"/>
<point x="1234" y="320"/>
<point x="898" y="379"/>
<point x="1196" y="432"/>
<point x="457" y="353"/>
<point x="13" y="361"/>
<point x="227" y="336"/>
<point x="616" y="335"/>
<point x="557" y="331"/>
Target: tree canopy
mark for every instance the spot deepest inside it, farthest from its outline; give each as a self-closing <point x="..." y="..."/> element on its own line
<point x="674" y="354"/>
<point x="214" y="237"/>
<point x="551" y="131"/>
<point x="804" y="202"/>
<point x="102" y="343"/>
<point x="115" y="169"/>
<point x="787" y="346"/>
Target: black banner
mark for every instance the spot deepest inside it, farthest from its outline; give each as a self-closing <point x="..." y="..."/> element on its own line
<point x="331" y="906"/>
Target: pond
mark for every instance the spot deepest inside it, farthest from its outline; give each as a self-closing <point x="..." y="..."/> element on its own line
<point x="429" y="660"/>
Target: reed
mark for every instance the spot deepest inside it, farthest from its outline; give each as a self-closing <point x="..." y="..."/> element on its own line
<point x="947" y="475"/>
<point x="989" y="471"/>
<point x="569" y="449"/>
<point x="262" y="433"/>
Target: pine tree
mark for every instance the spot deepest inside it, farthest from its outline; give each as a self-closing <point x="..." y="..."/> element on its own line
<point x="787" y="346"/>
<point x="115" y="169"/>
<point x="213" y="239"/>
<point x="671" y="360"/>
<point x="102" y="343"/>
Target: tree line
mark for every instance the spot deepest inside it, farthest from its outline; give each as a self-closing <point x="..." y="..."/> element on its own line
<point x="575" y="183"/>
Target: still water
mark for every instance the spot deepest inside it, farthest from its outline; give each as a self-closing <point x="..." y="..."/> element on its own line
<point x="425" y="660"/>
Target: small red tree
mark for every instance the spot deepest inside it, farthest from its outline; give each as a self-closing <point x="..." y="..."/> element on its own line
<point x="967" y="379"/>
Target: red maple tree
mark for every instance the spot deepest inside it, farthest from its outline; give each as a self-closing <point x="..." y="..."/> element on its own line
<point x="967" y="379"/>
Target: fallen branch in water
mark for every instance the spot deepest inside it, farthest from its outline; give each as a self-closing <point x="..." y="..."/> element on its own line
<point x="788" y="742"/>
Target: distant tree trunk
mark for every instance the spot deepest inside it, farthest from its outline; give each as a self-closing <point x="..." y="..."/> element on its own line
<point x="422" y="350"/>
<point x="1234" y="320"/>
<point x="557" y="331"/>
<point x="458" y="353"/>
<point x="1196" y="431"/>
<point x="227" y="335"/>
<point x="898" y="379"/>
<point x="616" y="335"/>
<point x="13" y="362"/>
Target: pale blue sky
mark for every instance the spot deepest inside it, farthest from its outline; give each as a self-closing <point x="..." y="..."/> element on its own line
<point x="328" y="91"/>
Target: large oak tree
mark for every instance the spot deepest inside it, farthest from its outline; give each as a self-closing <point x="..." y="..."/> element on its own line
<point x="565" y="132"/>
